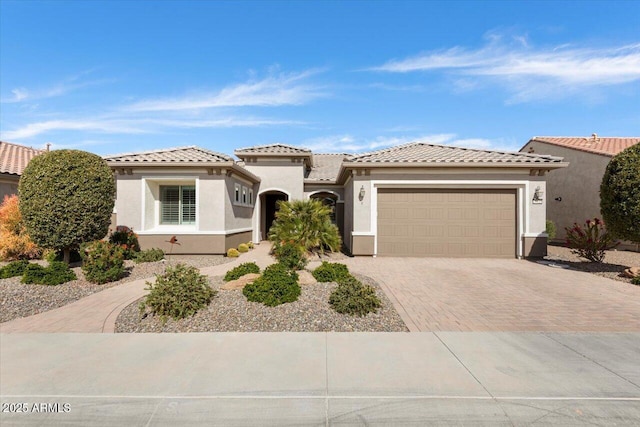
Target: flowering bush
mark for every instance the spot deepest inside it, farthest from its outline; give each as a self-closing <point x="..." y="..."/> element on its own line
<point x="14" y="240"/>
<point x="590" y="240"/>
<point x="127" y="240"/>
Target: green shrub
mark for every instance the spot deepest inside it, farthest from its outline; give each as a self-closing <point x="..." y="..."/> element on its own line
<point x="127" y="240"/>
<point x="13" y="269"/>
<point x="242" y="247"/>
<point x="331" y="272"/>
<point x="55" y="274"/>
<point x="241" y="270"/>
<point x="306" y="222"/>
<point x="66" y="199"/>
<point x="290" y="255"/>
<point x="636" y="280"/>
<point x="354" y="298"/>
<point x="102" y="262"/>
<point x="550" y="229"/>
<point x="590" y="241"/>
<point x="620" y="195"/>
<point x="178" y="293"/>
<point x="277" y="285"/>
<point x="149" y="255"/>
<point x="233" y="253"/>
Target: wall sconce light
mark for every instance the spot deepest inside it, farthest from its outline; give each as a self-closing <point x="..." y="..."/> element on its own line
<point x="361" y="194"/>
<point x="558" y="199"/>
<point x="537" y="196"/>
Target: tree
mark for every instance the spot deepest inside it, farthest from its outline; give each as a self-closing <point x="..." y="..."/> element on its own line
<point x="306" y="223"/>
<point x="66" y="199"/>
<point x="620" y="195"/>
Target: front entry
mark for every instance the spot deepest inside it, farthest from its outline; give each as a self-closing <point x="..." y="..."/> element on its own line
<point x="269" y="202"/>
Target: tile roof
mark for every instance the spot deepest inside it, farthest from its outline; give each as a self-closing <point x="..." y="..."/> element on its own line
<point x="609" y="146"/>
<point x="190" y="154"/>
<point x="419" y="152"/>
<point x="14" y="158"/>
<point x="326" y="167"/>
<point x="273" y="149"/>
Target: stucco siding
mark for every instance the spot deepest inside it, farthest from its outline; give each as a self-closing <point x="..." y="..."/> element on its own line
<point x="578" y="185"/>
<point x="348" y="215"/>
<point x="237" y="216"/>
<point x="8" y="186"/>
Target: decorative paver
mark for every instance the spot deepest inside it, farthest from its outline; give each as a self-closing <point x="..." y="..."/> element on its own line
<point x="446" y="294"/>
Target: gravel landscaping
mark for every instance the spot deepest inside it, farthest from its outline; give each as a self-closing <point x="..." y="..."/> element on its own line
<point x="615" y="262"/>
<point x="231" y="312"/>
<point x="21" y="300"/>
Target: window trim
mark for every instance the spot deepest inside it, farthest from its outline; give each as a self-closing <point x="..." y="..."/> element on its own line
<point x="242" y="195"/>
<point x="181" y="205"/>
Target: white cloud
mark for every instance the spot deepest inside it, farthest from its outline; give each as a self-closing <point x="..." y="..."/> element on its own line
<point x="272" y="91"/>
<point x="529" y="72"/>
<point x="69" y="84"/>
<point x="350" y="144"/>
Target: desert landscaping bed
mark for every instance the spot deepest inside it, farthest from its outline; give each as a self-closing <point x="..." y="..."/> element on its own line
<point x="22" y="300"/>
<point x="615" y="262"/>
<point x="231" y="312"/>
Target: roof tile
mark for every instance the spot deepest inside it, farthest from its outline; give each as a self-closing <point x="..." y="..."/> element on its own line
<point x="272" y="149"/>
<point x="14" y="158"/>
<point x="609" y="146"/>
<point x="326" y="167"/>
<point x="190" y="154"/>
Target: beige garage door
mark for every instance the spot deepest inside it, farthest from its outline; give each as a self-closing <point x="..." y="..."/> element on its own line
<point x="447" y="223"/>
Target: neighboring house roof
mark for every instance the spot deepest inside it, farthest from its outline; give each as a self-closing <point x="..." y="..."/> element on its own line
<point x="419" y="152"/>
<point x="325" y="167"/>
<point x="272" y="149"/>
<point x="190" y="154"/>
<point x="608" y="146"/>
<point x="14" y="158"/>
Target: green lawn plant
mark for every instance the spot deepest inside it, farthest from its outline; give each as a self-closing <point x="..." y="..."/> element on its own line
<point x="13" y="269"/>
<point x="149" y="255"/>
<point x="66" y="199"/>
<point x="330" y="272"/>
<point x="179" y="292"/>
<point x="354" y="298"/>
<point x="277" y="285"/>
<point x="291" y="255"/>
<point x="241" y="270"/>
<point x="102" y="262"/>
<point x="56" y="273"/>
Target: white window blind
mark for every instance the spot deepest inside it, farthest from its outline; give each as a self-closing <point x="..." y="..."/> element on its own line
<point x="177" y="204"/>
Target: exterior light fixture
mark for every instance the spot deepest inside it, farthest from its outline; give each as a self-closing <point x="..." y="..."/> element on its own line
<point x="537" y="196"/>
<point x="361" y="194"/>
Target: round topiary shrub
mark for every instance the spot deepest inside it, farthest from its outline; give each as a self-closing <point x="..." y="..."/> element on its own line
<point x="277" y="285"/>
<point x="178" y="293"/>
<point x="241" y="270"/>
<point x="66" y="198"/>
<point x="331" y="272"/>
<point x="102" y="262"/>
<point x="233" y="253"/>
<point x="354" y="298"/>
<point x="242" y="247"/>
<point x="620" y="195"/>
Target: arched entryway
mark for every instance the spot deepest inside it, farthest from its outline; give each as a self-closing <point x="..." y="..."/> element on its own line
<point x="332" y="200"/>
<point x="268" y="208"/>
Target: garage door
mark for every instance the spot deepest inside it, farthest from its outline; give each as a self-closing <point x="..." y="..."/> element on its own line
<point x="447" y="223"/>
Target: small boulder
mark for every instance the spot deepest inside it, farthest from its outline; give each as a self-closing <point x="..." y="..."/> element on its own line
<point x="632" y="272"/>
<point x="306" y="278"/>
<point x="240" y="282"/>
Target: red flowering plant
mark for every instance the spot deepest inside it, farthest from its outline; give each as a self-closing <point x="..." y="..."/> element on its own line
<point x="126" y="239"/>
<point x="590" y="240"/>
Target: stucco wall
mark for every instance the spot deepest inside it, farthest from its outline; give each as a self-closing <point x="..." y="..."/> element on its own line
<point x="8" y="186"/>
<point x="237" y="217"/>
<point x="348" y="215"/>
<point x="310" y="189"/>
<point x="578" y="185"/>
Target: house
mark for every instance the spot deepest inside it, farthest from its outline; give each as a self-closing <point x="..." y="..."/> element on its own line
<point x="13" y="159"/>
<point x="415" y="199"/>
<point x="573" y="193"/>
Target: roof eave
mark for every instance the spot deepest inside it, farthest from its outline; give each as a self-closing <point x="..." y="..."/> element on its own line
<point x="201" y="165"/>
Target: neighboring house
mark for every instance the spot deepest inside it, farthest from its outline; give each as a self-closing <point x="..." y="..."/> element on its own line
<point x="573" y="193"/>
<point x="411" y="200"/>
<point x="13" y="159"/>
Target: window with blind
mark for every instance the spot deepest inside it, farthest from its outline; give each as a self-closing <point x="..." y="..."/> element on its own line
<point x="177" y="204"/>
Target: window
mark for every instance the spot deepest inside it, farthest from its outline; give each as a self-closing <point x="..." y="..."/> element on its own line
<point x="251" y="196"/>
<point x="244" y="195"/>
<point x="177" y="204"/>
<point x="237" y="193"/>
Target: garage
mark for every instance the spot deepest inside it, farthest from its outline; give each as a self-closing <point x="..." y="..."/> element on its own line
<point x="447" y="222"/>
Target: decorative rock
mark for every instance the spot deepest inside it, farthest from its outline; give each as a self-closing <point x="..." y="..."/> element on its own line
<point x="306" y="278"/>
<point x="240" y="282"/>
<point x="632" y="272"/>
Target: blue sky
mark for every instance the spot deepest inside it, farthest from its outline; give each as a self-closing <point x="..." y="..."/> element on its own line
<point x="121" y="76"/>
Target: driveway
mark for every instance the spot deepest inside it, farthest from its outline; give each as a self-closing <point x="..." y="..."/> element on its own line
<point x="446" y="294"/>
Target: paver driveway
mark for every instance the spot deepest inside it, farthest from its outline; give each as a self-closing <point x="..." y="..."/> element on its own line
<point x="445" y="294"/>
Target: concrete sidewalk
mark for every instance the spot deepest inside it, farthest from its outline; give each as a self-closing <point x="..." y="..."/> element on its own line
<point x="444" y="378"/>
<point x="98" y="312"/>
